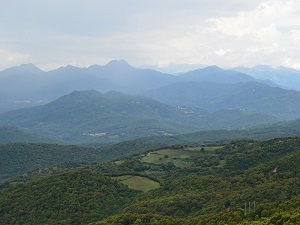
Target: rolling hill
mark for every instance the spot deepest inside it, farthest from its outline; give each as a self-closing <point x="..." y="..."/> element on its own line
<point x="216" y="74"/>
<point x="72" y="198"/>
<point x="251" y="97"/>
<point x="285" y="77"/>
<point x="200" y="184"/>
<point x="90" y="116"/>
<point x="20" y="158"/>
<point x="15" y="135"/>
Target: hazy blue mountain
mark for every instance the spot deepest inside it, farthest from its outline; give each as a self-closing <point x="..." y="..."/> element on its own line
<point x="218" y="75"/>
<point x="120" y="76"/>
<point x="24" y="69"/>
<point x="22" y="82"/>
<point x="21" y="87"/>
<point x="284" y="77"/>
<point x="250" y="97"/>
<point x="27" y="83"/>
<point x="90" y="116"/>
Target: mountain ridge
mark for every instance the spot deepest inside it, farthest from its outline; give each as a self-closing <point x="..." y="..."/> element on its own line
<point x="249" y="96"/>
<point x="114" y="116"/>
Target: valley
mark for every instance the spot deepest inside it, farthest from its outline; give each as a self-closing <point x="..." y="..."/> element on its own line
<point x="150" y="112"/>
<point x="185" y="149"/>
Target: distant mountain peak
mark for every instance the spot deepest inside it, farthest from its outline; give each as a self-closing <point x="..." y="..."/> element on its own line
<point x="94" y="66"/>
<point x="213" y="68"/>
<point x="86" y="92"/>
<point x="69" y="67"/>
<point x="25" y="68"/>
<point x="120" y="64"/>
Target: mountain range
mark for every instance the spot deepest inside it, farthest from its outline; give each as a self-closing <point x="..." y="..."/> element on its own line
<point x="26" y="85"/>
<point x="65" y="104"/>
<point x="247" y="96"/>
<point x="153" y="148"/>
<point x="287" y="78"/>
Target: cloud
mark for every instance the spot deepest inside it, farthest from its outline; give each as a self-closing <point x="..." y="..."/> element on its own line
<point x="226" y="33"/>
<point x="11" y="58"/>
<point x="267" y="34"/>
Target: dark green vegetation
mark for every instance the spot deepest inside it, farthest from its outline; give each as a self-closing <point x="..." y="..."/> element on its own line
<point x="13" y="134"/>
<point x="281" y="129"/>
<point x="25" y="159"/>
<point x="197" y="183"/>
<point x="74" y="197"/>
<point x="19" y="158"/>
<point x="90" y="116"/>
<point x="239" y="172"/>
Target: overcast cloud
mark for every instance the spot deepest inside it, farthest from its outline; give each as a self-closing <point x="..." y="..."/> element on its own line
<point x="226" y="33"/>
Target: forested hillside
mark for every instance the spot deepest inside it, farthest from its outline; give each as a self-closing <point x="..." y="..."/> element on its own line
<point x="242" y="182"/>
<point x="91" y="116"/>
<point x="68" y="198"/>
<point x="147" y="112"/>
<point x="248" y="96"/>
<point x="13" y="135"/>
<point x="23" y="159"/>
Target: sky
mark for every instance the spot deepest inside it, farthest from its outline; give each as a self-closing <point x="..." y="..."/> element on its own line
<point x="157" y="33"/>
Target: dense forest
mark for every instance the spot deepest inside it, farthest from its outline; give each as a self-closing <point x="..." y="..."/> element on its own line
<point x="25" y="159"/>
<point x="240" y="182"/>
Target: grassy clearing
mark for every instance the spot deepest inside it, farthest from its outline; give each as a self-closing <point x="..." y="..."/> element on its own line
<point x="119" y="162"/>
<point x="222" y="163"/>
<point x="181" y="163"/>
<point x="178" y="157"/>
<point x="138" y="183"/>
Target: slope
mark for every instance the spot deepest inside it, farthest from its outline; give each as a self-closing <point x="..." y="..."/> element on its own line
<point x="250" y="97"/>
<point x="285" y="77"/>
<point x="74" y="197"/>
<point x="19" y="158"/>
<point x="27" y="85"/>
<point x="210" y="186"/>
<point x="90" y="116"/>
<point x="218" y="75"/>
<point x="220" y="178"/>
<point x="13" y="135"/>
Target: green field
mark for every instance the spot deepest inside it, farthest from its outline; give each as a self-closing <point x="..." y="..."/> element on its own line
<point x="179" y="157"/>
<point x="138" y="182"/>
